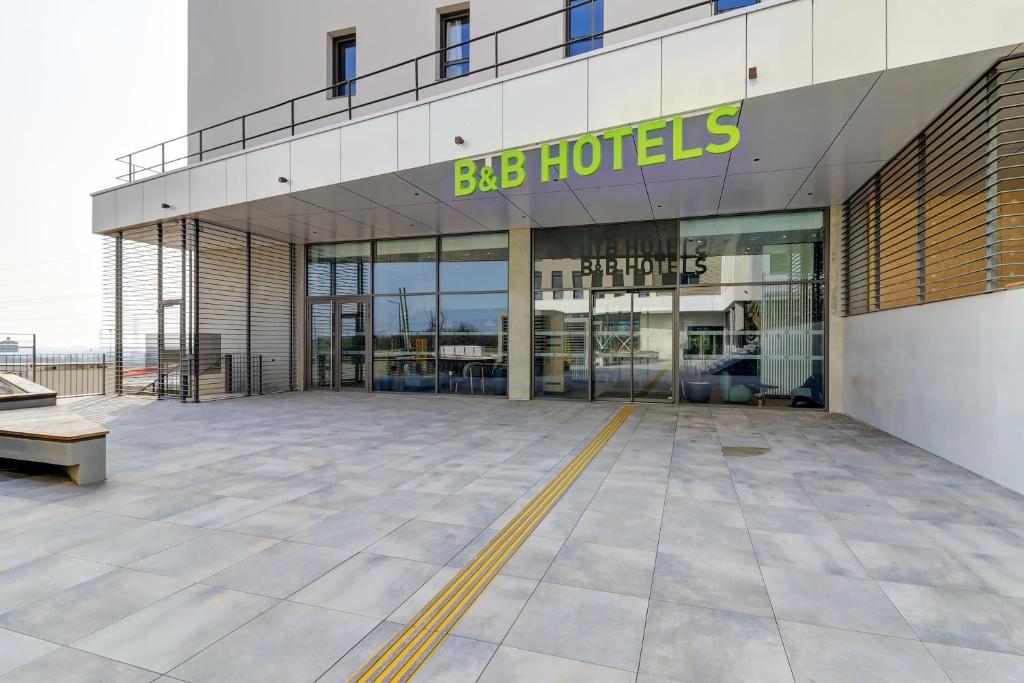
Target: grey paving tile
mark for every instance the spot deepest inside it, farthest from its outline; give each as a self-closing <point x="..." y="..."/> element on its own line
<point x="964" y="665"/>
<point x="1002" y="574"/>
<point x="606" y="568"/>
<point x="497" y="608"/>
<point x="837" y="601"/>
<point x="68" y="533"/>
<point x="456" y="660"/>
<point x="13" y="555"/>
<point x="559" y="523"/>
<point x="792" y="520"/>
<point x="961" y="617"/>
<point x="86" y="607"/>
<point x="282" y="521"/>
<point x="352" y="531"/>
<point x="533" y="558"/>
<point x="349" y="664"/>
<point x="288" y="642"/>
<point x="68" y="665"/>
<point x="425" y="541"/>
<point x="17" y="649"/>
<point x="582" y="624"/>
<point x="168" y="632"/>
<point x="982" y="540"/>
<point x="512" y="665"/>
<point x="219" y="513"/>
<point x="203" y="556"/>
<point x="751" y="494"/>
<point x="398" y="503"/>
<point x="124" y="548"/>
<point x="732" y="545"/>
<point x="838" y="656"/>
<point x="698" y="645"/>
<point x="367" y="584"/>
<point x="711" y="582"/>
<point x="163" y="505"/>
<point x="622" y="531"/>
<point x="280" y="570"/>
<point x="464" y="510"/>
<point x="828" y="555"/>
<point x="37" y="579"/>
<point x="922" y="566"/>
<point x="409" y="609"/>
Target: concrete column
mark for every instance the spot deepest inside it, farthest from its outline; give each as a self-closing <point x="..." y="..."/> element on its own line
<point x="300" y="317"/>
<point x="520" y="314"/>
<point x="835" y="310"/>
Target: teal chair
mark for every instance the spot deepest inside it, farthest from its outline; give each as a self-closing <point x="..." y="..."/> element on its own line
<point x="734" y="393"/>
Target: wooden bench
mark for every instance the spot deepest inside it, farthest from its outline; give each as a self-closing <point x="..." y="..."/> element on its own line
<point x="56" y="436"/>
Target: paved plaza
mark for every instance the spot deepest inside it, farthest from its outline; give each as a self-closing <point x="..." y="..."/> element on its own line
<point x="286" y="538"/>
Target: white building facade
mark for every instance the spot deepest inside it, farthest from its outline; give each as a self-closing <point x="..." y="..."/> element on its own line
<point x="801" y="204"/>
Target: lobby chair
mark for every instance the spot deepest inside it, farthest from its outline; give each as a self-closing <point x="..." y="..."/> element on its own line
<point x="472" y="377"/>
<point x="807" y="394"/>
<point x="734" y="393"/>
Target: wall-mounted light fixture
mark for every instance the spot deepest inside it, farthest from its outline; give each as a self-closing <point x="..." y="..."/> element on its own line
<point x="459" y="140"/>
<point x="752" y="73"/>
<point x="282" y="179"/>
<point x="165" y="205"/>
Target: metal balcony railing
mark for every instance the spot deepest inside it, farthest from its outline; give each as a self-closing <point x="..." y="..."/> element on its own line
<point x="239" y="132"/>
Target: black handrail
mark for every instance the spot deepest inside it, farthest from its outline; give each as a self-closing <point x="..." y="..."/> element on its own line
<point x="346" y="87"/>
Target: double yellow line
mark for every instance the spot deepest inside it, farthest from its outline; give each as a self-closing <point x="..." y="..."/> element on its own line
<point x="405" y="653"/>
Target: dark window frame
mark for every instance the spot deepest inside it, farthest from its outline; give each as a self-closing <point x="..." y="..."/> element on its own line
<point x="339" y="44"/>
<point x="720" y="10"/>
<point x="595" y="42"/>
<point x="444" y="62"/>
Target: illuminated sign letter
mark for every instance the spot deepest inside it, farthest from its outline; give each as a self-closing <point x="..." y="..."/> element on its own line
<point x="513" y="169"/>
<point x="645" y="143"/>
<point x="561" y="160"/>
<point x="729" y="130"/>
<point x="465" y="177"/>
<point x="594" y="144"/>
<point x="679" y="151"/>
<point x="617" y="135"/>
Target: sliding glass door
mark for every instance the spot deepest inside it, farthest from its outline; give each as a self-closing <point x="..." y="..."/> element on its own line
<point x="632" y="346"/>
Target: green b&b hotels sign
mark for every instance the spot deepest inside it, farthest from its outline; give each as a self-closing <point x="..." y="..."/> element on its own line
<point x="586" y="155"/>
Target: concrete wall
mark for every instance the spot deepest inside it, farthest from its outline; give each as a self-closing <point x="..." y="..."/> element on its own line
<point x="946" y="377"/>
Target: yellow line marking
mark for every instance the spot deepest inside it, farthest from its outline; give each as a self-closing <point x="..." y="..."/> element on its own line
<point x="406" y="651"/>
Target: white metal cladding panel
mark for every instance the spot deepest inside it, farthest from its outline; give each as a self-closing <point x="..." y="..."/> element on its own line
<point x="849" y="38"/>
<point x="153" y="193"/>
<point x="625" y="85"/>
<point x="208" y="186"/>
<point x="923" y="30"/>
<point x="704" y="66"/>
<point x="129" y="205"/>
<point x="263" y="167"/>
<point x="177" y="193"/>
<point x="104" y="211"/>
<point x="474" y="115"/>
<point x="316" y="161"/>
<point x="779" y="45"/>
<point x="414" y="137"/>
<point x="369" y="148"/>
<point x="235" y="180"/>
<point x="545" y="106"/>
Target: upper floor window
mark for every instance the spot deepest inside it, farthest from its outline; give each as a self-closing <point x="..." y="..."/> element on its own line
<point x="583" y="21"/>
<point x="726" y="5"/>
<point x="344" y="65"/>
<point x="454" y="43"/>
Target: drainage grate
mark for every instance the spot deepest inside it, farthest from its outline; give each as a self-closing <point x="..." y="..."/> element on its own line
<point x="742" y="451"/>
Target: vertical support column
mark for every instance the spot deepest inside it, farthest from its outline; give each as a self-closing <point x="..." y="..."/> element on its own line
<point x="161" y="376"/>
<point x="520" y="314"/>
<point x="182" y="326"/>
<point x="118" y="314"/>
<point x="298" y="338"/>
<point x="196" y="366"/>
<point x="834" y="367"/>
<point x="248" y="314"/>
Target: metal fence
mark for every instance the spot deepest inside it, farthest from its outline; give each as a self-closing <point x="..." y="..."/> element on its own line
<point x="400" y="83"/>
<point x="69" y="374"/>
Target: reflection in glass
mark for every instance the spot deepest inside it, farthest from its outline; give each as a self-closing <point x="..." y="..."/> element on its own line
<point x="474" y="262"/>
<point x="352" y="343"/>
<point x="614" y="338"/>
<point x="321" y="350"/>
<point x="560" y="367"/>
<point x="765" y="248"/>
<point x="584" y="20"/>
<point x="652" y="355"/>
<point x="749" y="344"/>
<point x="338" y="269"/>
<point x="405" y="266"/>
<point x="403" y="343"/>
<point x="474" y="343"/>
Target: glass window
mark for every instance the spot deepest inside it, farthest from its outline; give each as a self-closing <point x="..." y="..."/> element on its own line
<point x="338" y="269"/>
<point x="474" y="262"/>
<point x="560" y="367"/>
<point x="403" y="266"/>
<point x="403" y="343"/>
<point x="765" y="248"/>
<point x="605" y="254"/>
<point x="584" y="19"/>
<point x="726" y="5"/>
<point x="753" y="343"/>
<point x="474" y="344"/>
<point x="344" y="65"/>
<point x="454" y="37"/>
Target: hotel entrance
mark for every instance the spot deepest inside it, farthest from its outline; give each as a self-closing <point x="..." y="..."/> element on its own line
<point x="632" y="345"/>
<point x="339" y="338"/>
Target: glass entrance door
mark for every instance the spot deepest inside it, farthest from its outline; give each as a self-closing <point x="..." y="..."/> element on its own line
<point x="632" y="337"/>
<point x="338" y="340"/>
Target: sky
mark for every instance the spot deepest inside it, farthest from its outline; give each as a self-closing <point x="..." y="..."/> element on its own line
<point x="81" y="84"/>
